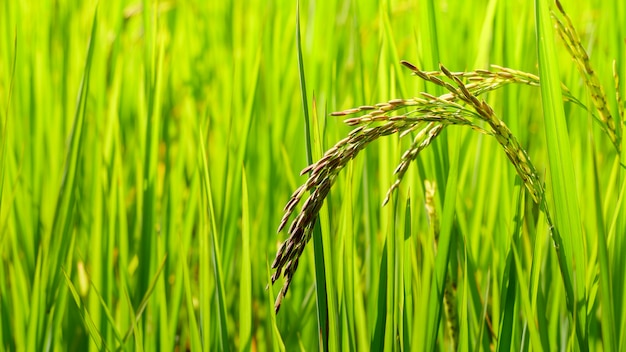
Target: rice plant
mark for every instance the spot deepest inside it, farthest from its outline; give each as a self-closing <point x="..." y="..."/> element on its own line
<point x="425" y="117"/>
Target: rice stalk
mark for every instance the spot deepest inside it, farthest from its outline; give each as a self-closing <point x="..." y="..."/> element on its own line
<point x="514" y="151"/>
<point x="321" y="178"/>
<point x="449" y="294"/>
<point x="428" y="115"/>
<point x="570" y="37"/>
<point x="432" y="114"/>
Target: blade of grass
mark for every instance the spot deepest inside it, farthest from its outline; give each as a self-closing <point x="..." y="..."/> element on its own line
<point x="6" y="339"/>
<point x="446" y="237"/>
<point x="214" y="255"/>
<point x="606" y="289"/>
<point x="131" y="331"/>
<point x="95" y="335"/>
<point x="233" y="177"/>
<point x="144" y="302"/>
<point x="56" y="245"/>
<point x="619" y="247"/>
<point x="430" y="45"/>
<point x="566" y="208"/>
<point x="483" y="316"/>
<point x="508" y="316"/>
<point x="378" y="337"/>
<point x="393" y="214"/>
<point x="525" y="302"/>
<point x="346" y="268"/>
<point x="4" y="143"/>
<point x="462" y="342"/>
<point x="107" y="312"/>
<point x="65" y="211"/>
<point x="277" y="342"/>
<point x="245" y="294"/>
<point x="153" y="63"/>
<point x="320" y="273"/>
<point x="614" y="236"/>
<point x="194" y="330"/>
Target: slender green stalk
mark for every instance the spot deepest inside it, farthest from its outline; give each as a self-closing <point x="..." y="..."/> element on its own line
<point x="566" y="208"/>
<point x="318" y="246"/>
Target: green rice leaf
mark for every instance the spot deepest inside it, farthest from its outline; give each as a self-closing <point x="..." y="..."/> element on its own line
<point x="563" y="177"/>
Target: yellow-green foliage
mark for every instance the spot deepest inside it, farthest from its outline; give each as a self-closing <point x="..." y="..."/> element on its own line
<point x="148" y="149"/>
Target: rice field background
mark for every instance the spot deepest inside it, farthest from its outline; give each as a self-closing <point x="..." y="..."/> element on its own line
<point x="149" y="148"/>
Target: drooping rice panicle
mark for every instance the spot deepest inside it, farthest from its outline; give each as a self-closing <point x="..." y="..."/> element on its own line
<point x="420" y="142"/>
<point x="516" y="154"/>
<point x="321" y="177"/>
<point x="428" y="115"/>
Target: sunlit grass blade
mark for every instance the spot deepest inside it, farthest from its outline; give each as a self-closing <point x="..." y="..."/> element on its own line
<point x="460" y="335"/>
<point x="5" y="315"/>
<point x="245" y="298"/>
<point x="277" y="342"/>
<point x="378" y="338"/>
<point x="446" y="237"/>
<point x="195" y="341"/>
<point x="508" y="319"/>
<point x="144" y="302"/>
<point x="240" y="132"/>
<point x="538" y="296"/>
<point x="66" y="201"/>
<point x="525" y="303"/>
<point x="431" y="59"/>
<point x="57" y="243"/>
<point x="153" y="85"/>
<point x="484" y="315"/>
<point x="320" y="270"/>
<point x="618" y="246"/>
<point x="107" y="312"/>
<point x="430" y="35"/>
<point x="4" y="143"/>
<point x="214" y="254"/>
<point x="606" y="287"/>
<point x="563" y="177"/>
<point x="345" y="274"/>
<point x="95" y="335"/>
<point x="132" y="330"/>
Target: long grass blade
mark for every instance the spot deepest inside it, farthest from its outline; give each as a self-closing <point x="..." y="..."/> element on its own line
<point x="143" y="304"/>
<point x="277" y="342"/>
<point x="320" y="270"/>
<point x="245" y="298"/>
<point x="446" y="237"/>
<point x="563" y="177"/>
<point x="214" y="254"/>
<point x="606" y="286"/>
<point x="4" y="143"/>
<point x="95" y="335"/>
